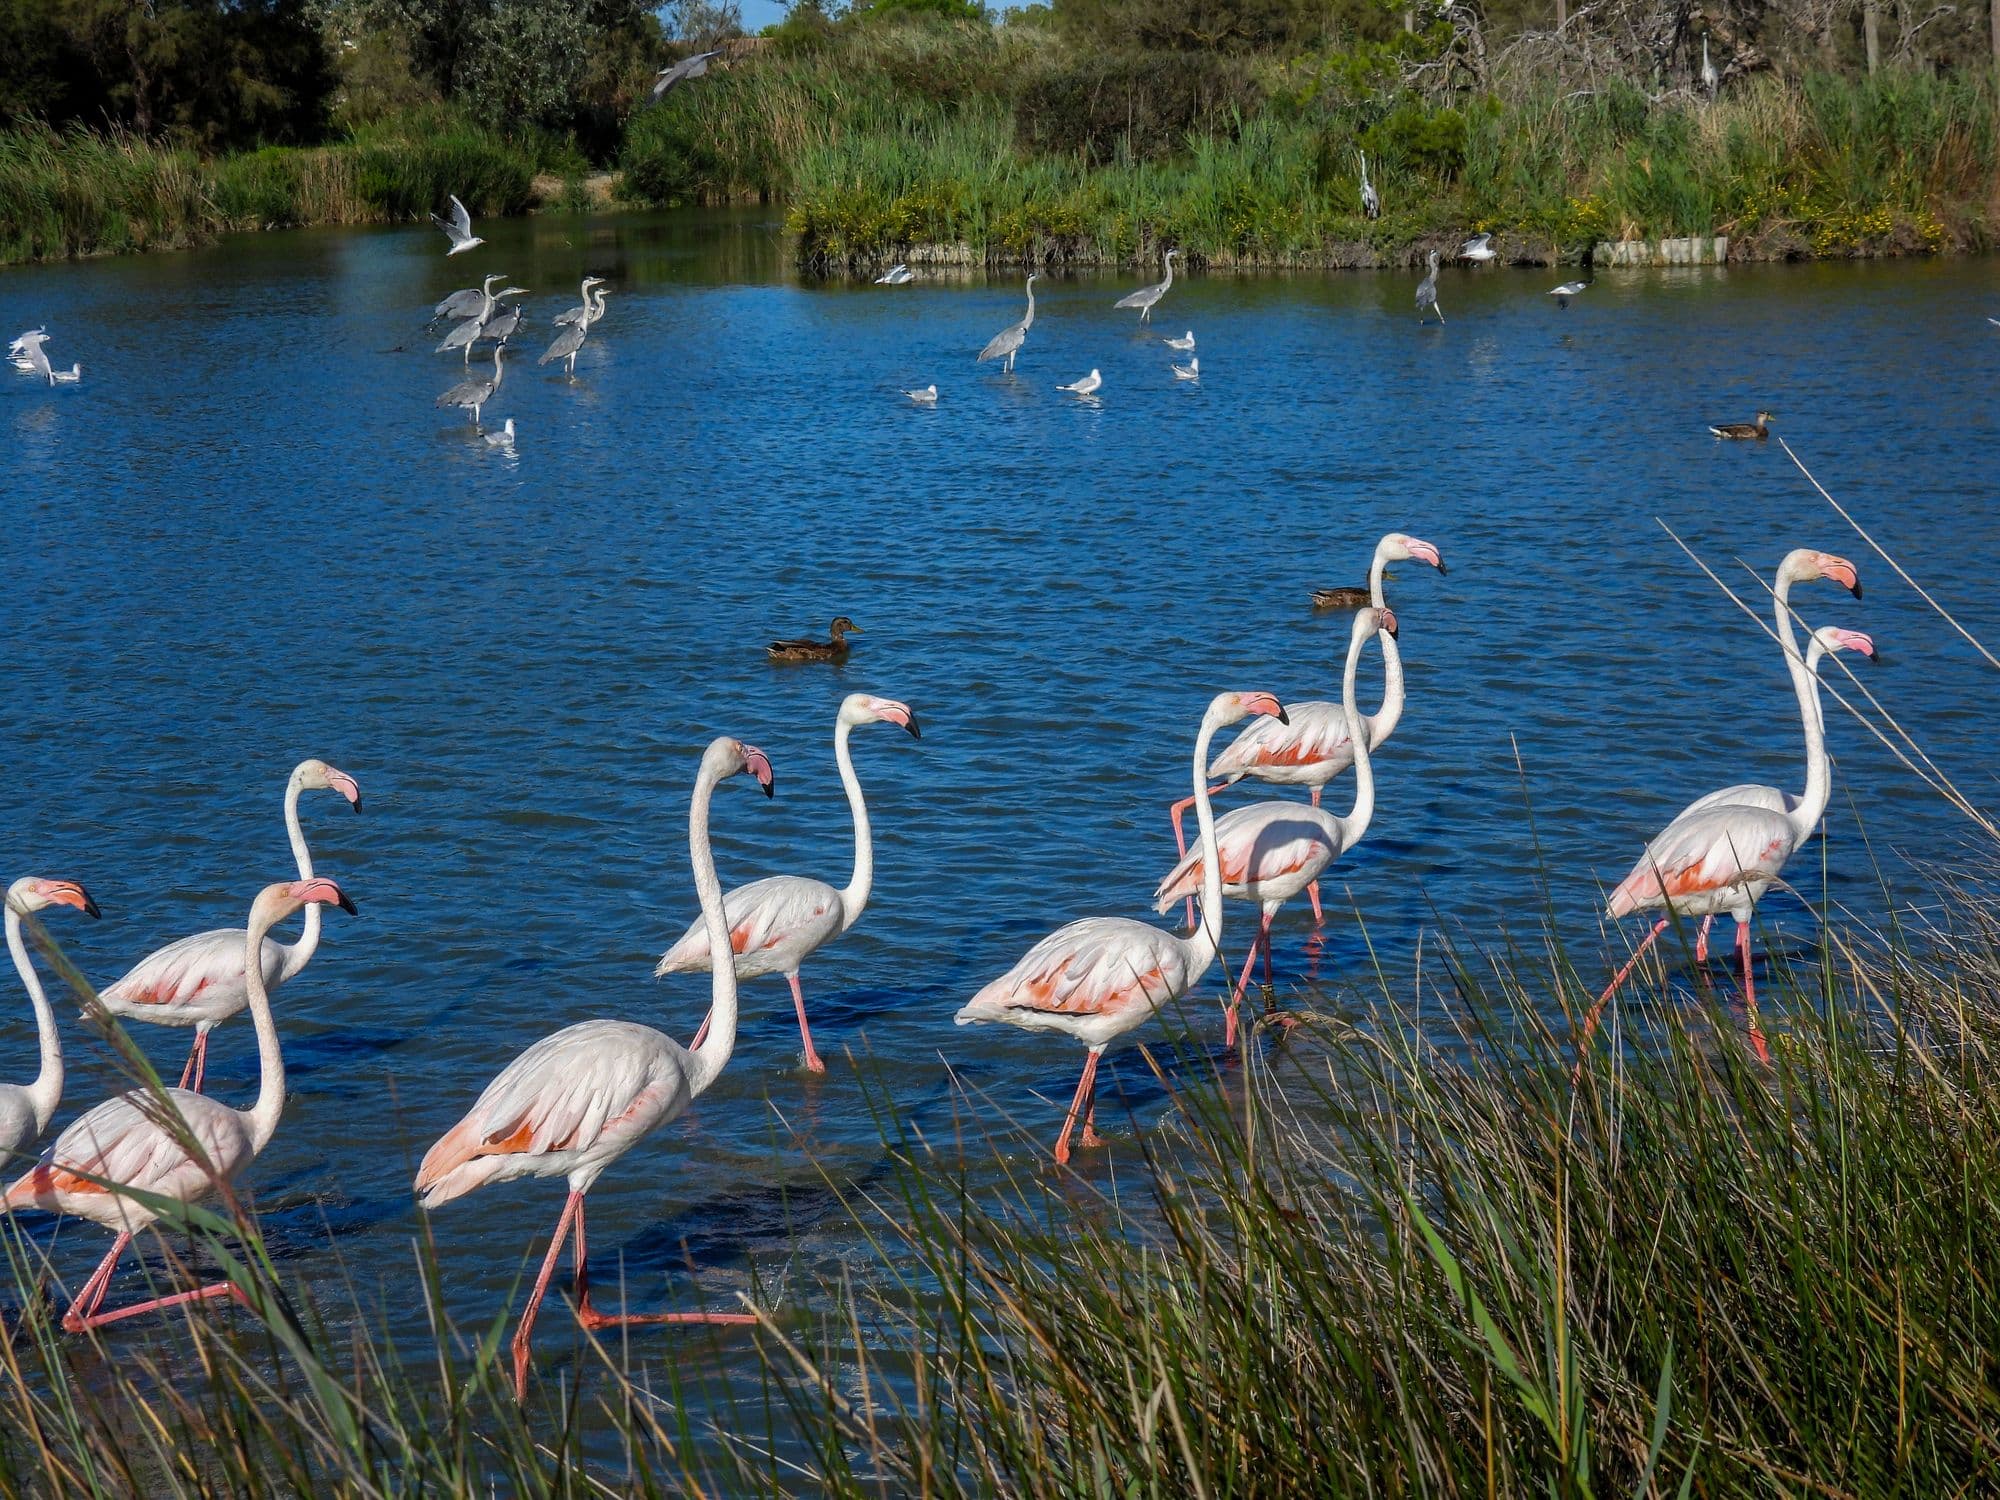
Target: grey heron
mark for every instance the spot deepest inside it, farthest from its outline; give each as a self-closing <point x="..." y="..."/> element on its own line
<point x="505" y="320"/>
<point x="1088" y="386"/>
<point x="28" y="354"/>
<point x="504" y="438"/>
<point x="679" y="73"/>
<point x="1709" y="77"/>
<point x="458" y="228"/>
<point x="1427" y="292"/>
<point x="1567" y="290"/>
<point x="927" y="396"/>
<point x="462" y="304"/>
<point x="1371" y="201"/>
<point x="1184" y="343"/>
<point x="476" y="392"/>
<point x="1479" y="249"/>
<point x="1008" y="341"/>
<point x="897" y="275"/>
<point x="571" y="339"/>
<point x="469" y="331"/>
<point x="1148" y="297"/>
<point x="1189" y="371"/>
<point x="474" y="316"/>
<point x="585" y="311"/>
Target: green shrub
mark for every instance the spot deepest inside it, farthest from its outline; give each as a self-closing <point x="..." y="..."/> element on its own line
<point x="1146" y="103"/>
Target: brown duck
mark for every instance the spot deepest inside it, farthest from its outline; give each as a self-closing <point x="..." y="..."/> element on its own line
<point x="810" y="650"/>
<point x="1348" y="598"/>
<point x="1759" y="429"/>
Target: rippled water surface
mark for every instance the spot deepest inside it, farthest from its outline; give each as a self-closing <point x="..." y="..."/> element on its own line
<point x="247" y="537"/>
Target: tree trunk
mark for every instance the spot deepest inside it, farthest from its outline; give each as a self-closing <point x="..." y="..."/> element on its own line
<point x="1871" y="32"/>
<point x="1562" y="15"/>
<point x="1995" y="13"/>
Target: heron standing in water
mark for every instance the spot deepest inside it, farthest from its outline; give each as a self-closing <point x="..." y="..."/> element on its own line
<point x="589" y="310"/>
<point x="1148" y="297"/>
<point x="1008" y="341"/>
<point x="570" y="340"/>
<point x="1427" y="293"/>
<point x="475" y="393"/>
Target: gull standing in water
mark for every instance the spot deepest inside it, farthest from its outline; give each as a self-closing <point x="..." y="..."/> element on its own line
<point x="1088" y="386"/>
<point x="1007" y="342"/>
<point x="1427" y="293"/>
<point x="924" y="397"/>
<point x="1184" y="343"/>
<point x="897" y="275"/>
<point x="1371" y="201"/>
<point x="475" y="393"/>
<point x="458" y="228"/>
<point x="1479" y="249"/>
<point x="1148" y="297"/>
<point x="1189" y="371"/>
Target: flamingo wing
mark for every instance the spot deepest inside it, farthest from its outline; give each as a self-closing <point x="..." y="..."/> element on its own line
<point x="1317" y="732"/>
<point x="761" y="915"/>
<point x="555" y="1100"/>
<point x="1263" y="842"/>
<point x="1708" y="852"/>
<point x="185" y="970"/>
<point x="121" y="1141"/>
<point x="1096" y="967"/>
<point x="1748" y="794"/>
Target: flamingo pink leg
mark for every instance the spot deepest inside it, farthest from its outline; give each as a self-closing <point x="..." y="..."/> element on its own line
<point x="813" y="1064"/>
<point x="1701" y="939"/>
<point x="1090" y="1135"/>
<point x="81" y="1316"/>
<point x="1313" y="889"/>
<point x="197" y="1063"/>
<point x="591" y="1318"/>
<point x="1180" y="836"/>
<point x="1750" y="995"/>
<point x="572" y="1206"/>
<point x="1084" y="1089"/>
<point x="1590" y="1021"/>
<point x="1236" y="999"/>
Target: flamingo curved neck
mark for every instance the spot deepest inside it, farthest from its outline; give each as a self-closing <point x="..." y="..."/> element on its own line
<point x="46" y="1091"/>
<point x="854" y="900"/>
<point x="709" y="1059"/>
<point x="1355" y="824"/>
<point x="1383" y="722"/>
<point x="262" y="1116"/>
<point x="297" y="954"/>
<point x="1819" y="769"/>
<point x="1207" y="938"/>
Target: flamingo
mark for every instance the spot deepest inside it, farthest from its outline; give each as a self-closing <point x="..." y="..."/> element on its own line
<point x="1103" y="976"/>
<point x="25" y="1109"/>
<point x="579" y="1099"/>
<point x="199" y="981"/>
<point x="777" y="923"/>
<point x="1310" y="746"/>
<point x="1273" y="850"/>
<point x="123" y="1147"/>
<point x="1724" y="850"/>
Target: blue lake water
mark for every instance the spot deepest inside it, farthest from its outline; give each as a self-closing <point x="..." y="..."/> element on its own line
<point x="247" y="537"/>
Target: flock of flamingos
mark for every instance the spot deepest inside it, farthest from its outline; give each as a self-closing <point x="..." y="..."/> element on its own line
<point x="578" y="1100"/>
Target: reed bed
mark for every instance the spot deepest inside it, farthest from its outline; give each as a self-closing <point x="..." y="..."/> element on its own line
<point x="1410" y="1247"/>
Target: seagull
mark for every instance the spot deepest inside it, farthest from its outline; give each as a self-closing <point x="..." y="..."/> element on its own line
<point x="458" y="229"/>
<point x="28" y="354"/>
<point x="1479" y="248"/>
<point x="1189" y="371"/>
<point x="925" y="397"/>
<point x="679" y="73"/>
<point x="66" y="377"/>
<point x="1088" y="386"/>
<point x="1994" y="321"/>
<point x="504" y="438"/>
<point x="896" y="275"/>
<point x="1184" y="343"/>
<point x="1567" y="290"/>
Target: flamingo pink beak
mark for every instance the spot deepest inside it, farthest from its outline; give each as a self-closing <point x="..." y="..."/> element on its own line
<point x="69" y="893"/>
<point x="1424" y="552"/>
<point x="346" y="785"/>
<point x="1840" y="571"/>
<point x="1385" y="621"/>
<point x="321" y="892"/>
<point x="758" y="764"/>
<point x="1854" y="640"/>
<point x="889" y="711"/>
<point x="1265" y="703"/>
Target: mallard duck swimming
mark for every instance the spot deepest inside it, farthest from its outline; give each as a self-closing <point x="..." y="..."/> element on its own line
<point x="1759" y="429"/>
<point x="806" y="649"/>
<point x="1339" y="598"/>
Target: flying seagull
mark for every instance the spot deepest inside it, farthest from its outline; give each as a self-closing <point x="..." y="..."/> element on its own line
<point x="1567" y="290"/>
<point x="458" y="229"/>
<point x="1479" y="248"/>
<point x="681" y="72"/>
<point x="897" y="275"/>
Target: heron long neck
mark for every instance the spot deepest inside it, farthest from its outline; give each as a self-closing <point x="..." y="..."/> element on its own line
<point x="262" y="1116"/>
<point x="1170" y="274"/>
<point x="297" y="954"/>
<point x="1355" y="824"/>
<point x="1029" y="321"/>
<point x="46" y="1091"/>
<point x="1819" y="769"/>
<point x="854" y="900"/>
<point x="1207" y="938"/>
<point x="499" y="370"/>
<point x="712" y="1055"/>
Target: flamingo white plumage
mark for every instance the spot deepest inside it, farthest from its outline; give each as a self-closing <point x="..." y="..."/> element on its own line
<point x="124" y="1146"/>
<point x="1271" y="851"/>
<point x="26" y="1109"/>
<point x="1102" y="977"/>
<point x="576" y="1101"/>
<point x="1310" y="746"/>
<point x="1725" y="850"/>
<point x="777" y="923"/>
<point x="199" y="981"/>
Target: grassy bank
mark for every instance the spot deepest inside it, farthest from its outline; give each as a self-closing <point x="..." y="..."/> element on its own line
<point x="1409" y="1251"/>
<point x="85" y="193"/>
<point x="971" y="144"/>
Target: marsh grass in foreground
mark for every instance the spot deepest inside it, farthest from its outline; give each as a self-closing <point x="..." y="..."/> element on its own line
<point x="1409" y="1249"/>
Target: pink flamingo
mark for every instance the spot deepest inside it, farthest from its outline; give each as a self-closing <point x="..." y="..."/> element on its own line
<point x="1310" y="746"/>
<point x="1271" y="851"/>
<point x="776" y="924"/>
<point x="25" y="1109"/>
<point x="199" y="980"/>
<point x="576" y="1101"/>
<point x="1721" y="854"/>
<point x="1099" y="978"/>
<point x="122" y="1147"/>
